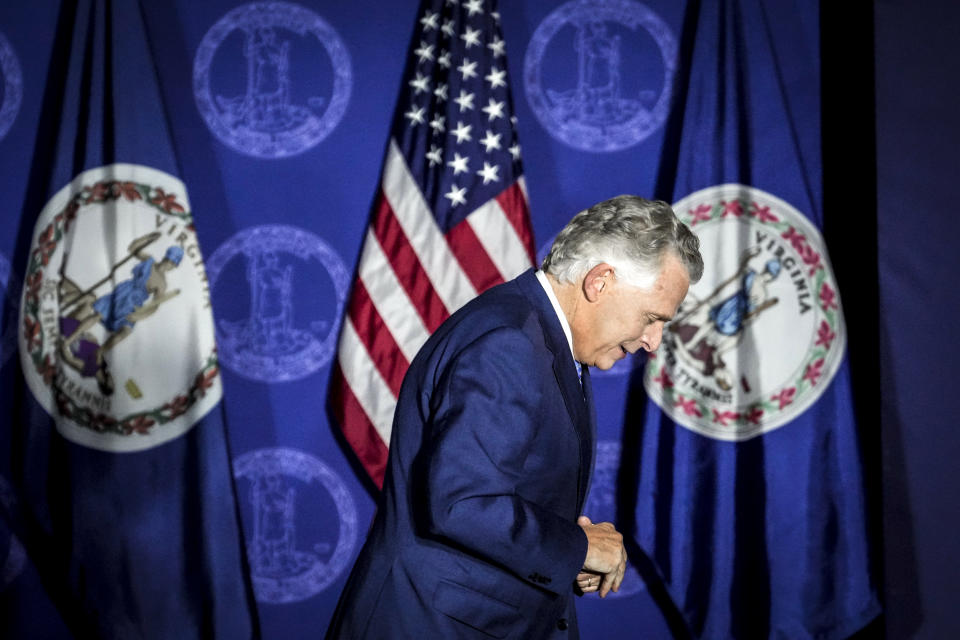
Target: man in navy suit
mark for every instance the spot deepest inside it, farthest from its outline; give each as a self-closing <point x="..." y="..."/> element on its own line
<point x="479" y="531"/>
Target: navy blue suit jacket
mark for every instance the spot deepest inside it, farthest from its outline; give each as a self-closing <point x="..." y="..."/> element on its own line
<point x="491" y="451"/>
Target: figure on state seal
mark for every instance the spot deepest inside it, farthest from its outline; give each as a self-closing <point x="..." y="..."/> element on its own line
<point x="706" y="329"/>
<point x="117" y="310"/>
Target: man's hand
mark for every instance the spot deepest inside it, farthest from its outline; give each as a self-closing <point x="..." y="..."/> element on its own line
<point x="606" y="559"/>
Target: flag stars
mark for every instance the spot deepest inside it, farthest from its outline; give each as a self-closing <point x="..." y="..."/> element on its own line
<point x="456" y="195"/>
<point x="462" y="132"/>
<point x="444" y="59"/>
<point x="493" y="109"/>
<point x="447" y="28"/>
<point x="424" y="51"/>
<point x="498" y="47"/>
<point x="489" y="173"/>
<point x="491" y="141"/>
<point x="421" y="84"/>
<point x="467" y="69"/>
<point x="515" y="151"/>
<point x="470" y="37"/>
<point x="441" y="92"/>
<point x="434" y="155"/>
<point x="464" y="101"/>
<point x="496" y="78"/>
<point x="474" y="6"/>
<point x="415" y="115"/>
<point x="459" y="164"/>
<point x="429" y="21"/>
<point x="437" y="124"/>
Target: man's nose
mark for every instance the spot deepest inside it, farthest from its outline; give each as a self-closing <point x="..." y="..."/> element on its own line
<point x="652" y="337"/>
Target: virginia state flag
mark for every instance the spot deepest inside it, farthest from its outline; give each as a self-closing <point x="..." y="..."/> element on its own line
<point x="115" y="441"/>
<point x="750" y="496"/>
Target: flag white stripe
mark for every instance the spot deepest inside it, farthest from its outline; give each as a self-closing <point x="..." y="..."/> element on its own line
<point x="499" y="239"/>
<point x="390" y="299"/>
<point x="415" y="217"/>
<point x="365" y="381"/>
<point x="522" y="182"/>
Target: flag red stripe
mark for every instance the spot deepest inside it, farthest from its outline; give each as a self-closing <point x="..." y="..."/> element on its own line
<point x="472" y="257"/>
<point x="515" y="208"/>
<point x="396" y="246"/>
<point x="376" y="337"/>
<point x="359" y="432"/>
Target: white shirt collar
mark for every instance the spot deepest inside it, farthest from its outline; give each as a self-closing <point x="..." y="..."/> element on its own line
<point x="542" y="277"/>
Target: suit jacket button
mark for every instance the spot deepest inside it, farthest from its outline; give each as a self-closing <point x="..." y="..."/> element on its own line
<point x="562" y="624"/>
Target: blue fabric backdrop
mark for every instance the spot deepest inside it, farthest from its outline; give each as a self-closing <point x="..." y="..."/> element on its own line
<point x="275" y="115"/>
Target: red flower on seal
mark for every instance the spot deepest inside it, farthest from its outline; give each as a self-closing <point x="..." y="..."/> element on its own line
<point x="807" y="254"/>
<point x="664" y="378"/>
<point x="700" y="214"/>
<point x="723" y="417"/>
<point x="178" y="406"/>
<point x="98" y="192"/>
<point x="814" y="371"/>
<point x="103" y="422"/>
<point x="203" y="382"/>
<point x="46" y="245"/>
<point x="785" y="397"/>
<point x="689" y="406"/>
<point x="824" y="335"/>
<point x="31" y="333"/>
<point x="126" y="189"/>
<point x="796" y="238"/>
<point x="761" y="213"/>
<point x="139" y="424"/>
<point x="753" y="417"/>
<point x="731" y="208"/>
<point x="166" y="201"/>
<point x="34" y="280"/>
<point x="828" y="297"/>
<point x="71" y="211"/>
<point x="63" y="405"/>
<point x="811" y="258"/>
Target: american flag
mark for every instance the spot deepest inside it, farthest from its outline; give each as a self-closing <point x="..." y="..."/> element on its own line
<point x="450" y="218"/>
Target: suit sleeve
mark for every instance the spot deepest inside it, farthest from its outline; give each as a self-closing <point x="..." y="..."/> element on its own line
<point x="481" y="433"/>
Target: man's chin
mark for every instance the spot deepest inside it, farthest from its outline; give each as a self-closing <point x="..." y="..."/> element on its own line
<point x="605" y="364"/>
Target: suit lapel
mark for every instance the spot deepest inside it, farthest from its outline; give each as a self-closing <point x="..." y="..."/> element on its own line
<point x="588" y="449"/>
<point x="566" y="374"/>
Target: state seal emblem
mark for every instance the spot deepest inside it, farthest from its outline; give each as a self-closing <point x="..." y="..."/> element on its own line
<point x="761" y="336"/>
<point x="293" y="310"/>
<point x="610" y="74"/>
<point x="11" y="86"/>
<point x="281" y="483"/>
<point x="115" y="332"/>
<point x="271" y="79"/>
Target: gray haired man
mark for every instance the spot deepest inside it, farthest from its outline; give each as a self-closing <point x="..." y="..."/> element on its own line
<point x="480" y="531"/>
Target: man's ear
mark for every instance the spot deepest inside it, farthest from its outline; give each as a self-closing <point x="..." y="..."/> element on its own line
<point x="597" y="281"/>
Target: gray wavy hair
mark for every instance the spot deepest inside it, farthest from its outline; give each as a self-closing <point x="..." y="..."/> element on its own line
<point x="629" y="233"/>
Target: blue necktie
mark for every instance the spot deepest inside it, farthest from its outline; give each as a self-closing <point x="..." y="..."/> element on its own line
<point x="579" y="372"/>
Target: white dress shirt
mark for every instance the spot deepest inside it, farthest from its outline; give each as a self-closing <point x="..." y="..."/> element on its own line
<point x="542" y="277"/>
